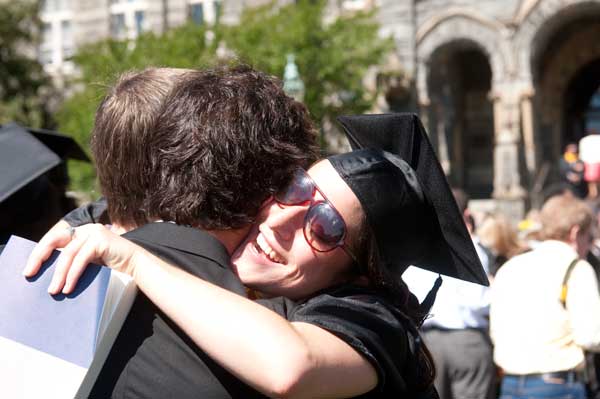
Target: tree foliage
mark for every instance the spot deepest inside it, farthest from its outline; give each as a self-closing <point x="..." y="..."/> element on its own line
<point x="24" y="87"/>
<point x="333" y="59"/>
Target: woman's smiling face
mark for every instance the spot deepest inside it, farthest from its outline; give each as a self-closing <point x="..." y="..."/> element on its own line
<point x="276" y="259"/>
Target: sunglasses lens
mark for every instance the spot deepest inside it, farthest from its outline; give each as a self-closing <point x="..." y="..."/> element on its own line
<point x="324" y="227"/>
<point x="298" y="191"/>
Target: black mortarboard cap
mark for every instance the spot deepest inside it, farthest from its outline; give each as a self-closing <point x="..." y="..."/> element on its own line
<point x="27" y="154"/>
<point x="396" y="176"/>
<point x="63" y="146"/>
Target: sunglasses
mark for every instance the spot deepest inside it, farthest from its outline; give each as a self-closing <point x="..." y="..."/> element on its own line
<point x="324" y="228"/>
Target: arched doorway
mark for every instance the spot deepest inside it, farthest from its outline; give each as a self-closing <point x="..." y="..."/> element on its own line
<point x="566" y="72"/>
<point x="582" y="103"/>
<point x="459" y="83"/>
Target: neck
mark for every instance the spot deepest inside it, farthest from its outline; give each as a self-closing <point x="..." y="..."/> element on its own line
<point x="231" y="239"/>
<point x="118" y="228"/>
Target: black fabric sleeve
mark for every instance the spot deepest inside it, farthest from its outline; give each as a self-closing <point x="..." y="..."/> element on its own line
<point x="280" y="305"/>
<point x="369" y="325"/>
<point x="94" y="212"/>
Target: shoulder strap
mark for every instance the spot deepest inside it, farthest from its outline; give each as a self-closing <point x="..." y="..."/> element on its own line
<point x="563" y="288"/>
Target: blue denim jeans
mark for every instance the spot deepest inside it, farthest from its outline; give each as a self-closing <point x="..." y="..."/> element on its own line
<point x="528" y="387"/>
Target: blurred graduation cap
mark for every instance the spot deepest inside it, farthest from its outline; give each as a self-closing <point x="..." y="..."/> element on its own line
<point x="26" y="154"/>
<point x="396" y="176"/>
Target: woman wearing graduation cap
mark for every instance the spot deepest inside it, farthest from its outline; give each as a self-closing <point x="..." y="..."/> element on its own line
<point x="335" y="242"/>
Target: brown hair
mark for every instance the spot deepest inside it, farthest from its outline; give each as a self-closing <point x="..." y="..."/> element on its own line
<point x="561" y="213"/>
<point x="497" y="233"/>
<point x="227" y="138"/>
<point x="124" y="121"/>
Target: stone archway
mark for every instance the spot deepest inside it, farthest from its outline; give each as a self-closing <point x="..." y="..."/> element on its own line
<point x="460" y="129"/>
<point x="459" y="82"/>
<point x="560" y="54"/>
<point x="457" y="25"/>
<point x="581" y="103"/>
<point x="537" y="22"/>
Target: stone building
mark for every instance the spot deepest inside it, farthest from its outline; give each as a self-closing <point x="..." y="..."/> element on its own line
<point x="502" y="85"/>
<point x="69" y="24"/>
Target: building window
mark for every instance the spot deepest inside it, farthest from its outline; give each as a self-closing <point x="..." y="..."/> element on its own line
<point x="127" y="18"/>
<point x="117" y="26"/>
<point x="139" y="22"/>
<point x="204" y="11"/>
<point x="355" y="5"/>
<point x="55" y="5"/>
<point x="197" y="13"/>
<point x="217" y="7"/>
<point x="57" y="44"/>
<point x="45" y="52"/>
<point x="67" y="39"/>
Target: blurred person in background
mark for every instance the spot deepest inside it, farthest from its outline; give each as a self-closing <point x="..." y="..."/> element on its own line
<point x="545" y="308"/>
<point x="594" y="255"/>
<point x="592" y="360"/>
<point x="589" y="147"/>
<point x="572" y="170"/>
<point x="530" y="228"/>
<point x="498" y="235"/>
<point x="456" y="332"/>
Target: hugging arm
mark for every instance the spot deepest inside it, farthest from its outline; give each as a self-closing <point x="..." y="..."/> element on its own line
<point x="278" y="358"/>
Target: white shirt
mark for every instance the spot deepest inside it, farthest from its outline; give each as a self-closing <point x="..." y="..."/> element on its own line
<point x="531" y="330"/>
<point x="589" y="148"/>
<point x="458" y="304"/>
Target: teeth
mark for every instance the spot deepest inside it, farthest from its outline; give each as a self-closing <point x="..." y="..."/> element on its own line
<point x="271" y="254"/>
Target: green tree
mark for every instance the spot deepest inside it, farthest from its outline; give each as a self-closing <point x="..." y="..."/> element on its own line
<point x="102" y="62"/>
<point x="332" y="58"/>
<point x="24" y="87"/>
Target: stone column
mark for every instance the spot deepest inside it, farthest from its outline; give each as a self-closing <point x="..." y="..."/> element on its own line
<point x="507" y="180"/>
<point x="528" y="132"/>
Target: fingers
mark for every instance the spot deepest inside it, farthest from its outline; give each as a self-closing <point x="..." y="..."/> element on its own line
<point x="86" y="254"/>
<point x="87" y="246"/>
<point x="64" y="264"/>
<point x="57" y="237"/>
<point x="92" y="243"/>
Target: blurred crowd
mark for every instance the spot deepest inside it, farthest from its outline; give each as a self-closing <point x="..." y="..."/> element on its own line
<point x="534" y="332"/>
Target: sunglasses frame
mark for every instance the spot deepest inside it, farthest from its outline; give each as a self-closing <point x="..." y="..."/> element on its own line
<point x="341" y="243"/>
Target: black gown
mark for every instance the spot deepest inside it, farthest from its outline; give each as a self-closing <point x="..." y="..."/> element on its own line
<point x="370" y="324"/>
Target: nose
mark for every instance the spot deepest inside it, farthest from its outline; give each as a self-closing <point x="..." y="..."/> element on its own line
<point x="286" y="220"/>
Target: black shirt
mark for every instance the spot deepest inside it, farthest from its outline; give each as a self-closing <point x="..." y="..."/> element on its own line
<point x="152" y="357"/>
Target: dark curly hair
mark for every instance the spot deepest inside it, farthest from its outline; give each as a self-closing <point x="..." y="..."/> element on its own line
<point x="226" y="139"/>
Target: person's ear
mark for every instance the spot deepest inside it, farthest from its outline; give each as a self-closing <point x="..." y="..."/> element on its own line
<point x="573" y="233"/>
